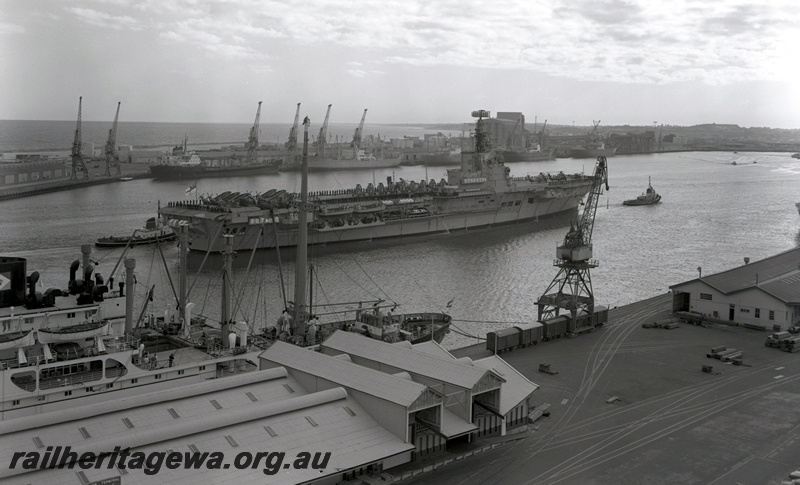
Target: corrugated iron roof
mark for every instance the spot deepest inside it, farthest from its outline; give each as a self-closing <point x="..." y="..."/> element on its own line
<point x="347" y="374"/>
<point x="354" y="440"/>
<point x="785" y="264"/>
<point x="453" y="426"/>
<point x="517" y="387"/>
<point x="413" y="361"/>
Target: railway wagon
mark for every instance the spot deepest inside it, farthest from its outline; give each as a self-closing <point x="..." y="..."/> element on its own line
<point x="561" y="325"/>
<point x="599" y="316"/>
<point x="555" y="327"/>
<point x="502" y="340"/>
<point x="530" y="333"/>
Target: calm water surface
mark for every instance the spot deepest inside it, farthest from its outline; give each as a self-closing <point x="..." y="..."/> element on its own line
<point x="712" y="215"/>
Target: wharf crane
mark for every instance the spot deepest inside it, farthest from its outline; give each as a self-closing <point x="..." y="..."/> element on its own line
<point x="322" y="139"/>
<point x="291" y="145"/>
<point x="77" y="156"/>
<point x="512" y="134"/>
<point x="541" y="134"/>
<point x="357" y="135"/>
<point x="112" y="157"/>
<point x="252" y="141"/>
<point x="571" y="289"/>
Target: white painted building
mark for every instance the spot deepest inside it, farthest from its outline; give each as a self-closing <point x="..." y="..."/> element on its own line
<point x="765" y="293"/>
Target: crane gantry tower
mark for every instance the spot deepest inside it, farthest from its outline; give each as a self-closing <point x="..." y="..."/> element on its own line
<point x="571" y="289"/>
<point x="77" y="156"/>
<point x="252" y="141"/>
<point x="112" y="157"/>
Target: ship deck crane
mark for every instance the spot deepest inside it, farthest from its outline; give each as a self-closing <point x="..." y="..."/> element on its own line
<point x="252" y="141"/>
<point x="571" y="289"/>
<point x="322" y="139"/>
<point x="77" y="156"/>
<point x="112" y="157"/>
<point x="357" y="135"/>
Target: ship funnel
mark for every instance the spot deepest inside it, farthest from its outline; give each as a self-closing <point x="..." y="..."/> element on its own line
<point x="73" y="269"/>
<point x="32" y="280"/>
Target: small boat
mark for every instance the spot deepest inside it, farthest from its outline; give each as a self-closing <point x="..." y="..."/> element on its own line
<point x="796" y="155"/>
<point x="125" y="179"/>
<point x="650" y="197"/>
<point x="151" y="233"/>
<point x="88" y="329"/>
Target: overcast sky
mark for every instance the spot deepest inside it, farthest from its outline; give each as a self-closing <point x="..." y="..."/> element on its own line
<point x="622" y="62"/>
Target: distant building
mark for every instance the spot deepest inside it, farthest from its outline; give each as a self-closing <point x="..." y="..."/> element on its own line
<point x="32" y="168"/>
<point x="633" y="142"/>
<point x="764" y="293"/>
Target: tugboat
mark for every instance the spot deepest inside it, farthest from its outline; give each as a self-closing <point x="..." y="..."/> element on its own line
<point x="650" y="197"/>
<point x="152" y="232"/>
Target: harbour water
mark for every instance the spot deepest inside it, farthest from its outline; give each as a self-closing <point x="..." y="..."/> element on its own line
<point x="713" y="214"/>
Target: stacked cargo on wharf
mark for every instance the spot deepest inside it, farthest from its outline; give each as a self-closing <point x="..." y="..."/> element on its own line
<point x="482" y="192"/>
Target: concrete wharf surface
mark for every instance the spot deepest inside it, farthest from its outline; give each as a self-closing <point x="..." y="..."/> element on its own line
<point x="96" y="177"/>
<point x="670" y="424"/>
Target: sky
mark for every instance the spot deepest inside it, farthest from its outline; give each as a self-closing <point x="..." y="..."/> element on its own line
<point x="632" y="62"/>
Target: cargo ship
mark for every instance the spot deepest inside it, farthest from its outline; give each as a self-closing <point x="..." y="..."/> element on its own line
<point x="181" y="164"/>
<point x="346" y="159"/>
<point x="481" y="193"/>
<point x="336" y="156"/>
<point x="594" y="146"/>
<point x="534" y="154"/>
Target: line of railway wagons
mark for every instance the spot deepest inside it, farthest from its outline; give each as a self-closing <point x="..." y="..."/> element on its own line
<point x="525" y="334"/>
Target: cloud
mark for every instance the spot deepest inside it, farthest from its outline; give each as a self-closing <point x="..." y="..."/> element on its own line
<point x="6" y="28"/>
<point x="616" y="40"/>
<point x="102" y="19"/>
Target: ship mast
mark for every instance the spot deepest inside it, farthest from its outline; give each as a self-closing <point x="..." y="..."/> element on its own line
<point x="474" y="163"/>
<point x="300" y="315"/>
<point x="252" y="141"/>
<point x="111" y="147"/>
<point x="77" y="157"/>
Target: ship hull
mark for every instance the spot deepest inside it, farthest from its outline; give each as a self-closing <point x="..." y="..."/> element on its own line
<point x="119" y="241"/>
<point x="206" y="235"/>
<point x="320" y="164"/>
<point x="593" y="152"/>
<point x="173" y="172"/>
<point x="510" y="156"/>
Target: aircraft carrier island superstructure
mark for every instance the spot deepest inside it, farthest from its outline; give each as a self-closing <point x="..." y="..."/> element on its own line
<point x="482" y="192"/>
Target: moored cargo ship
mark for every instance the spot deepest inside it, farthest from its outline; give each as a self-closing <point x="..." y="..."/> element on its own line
<point x="185" y="165"/>
<point x="482" y="192"/>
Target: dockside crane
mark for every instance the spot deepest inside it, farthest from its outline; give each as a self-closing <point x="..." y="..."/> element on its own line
<point x="252" y="141"/>
<point x="541" y="134"/>
<point x="322" y="139"/>
<point x="571" y="289"/>
<point x="77" y="156"/>
<point x="291" y="145"/>
<point x="512" y="134"/>
<point x="357" y="135"/>
<point x="112" y="157"/>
